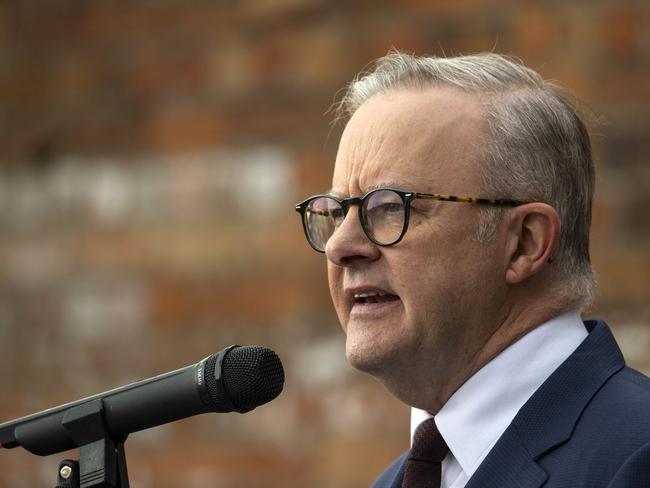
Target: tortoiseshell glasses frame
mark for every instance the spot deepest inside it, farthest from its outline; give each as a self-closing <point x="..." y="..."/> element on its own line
<point x="383" y="212"/>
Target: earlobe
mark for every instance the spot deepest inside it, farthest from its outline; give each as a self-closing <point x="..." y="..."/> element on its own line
<point x="533" y="233"/>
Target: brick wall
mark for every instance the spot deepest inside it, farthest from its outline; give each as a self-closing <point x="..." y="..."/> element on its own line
<point x="151" y="155"/>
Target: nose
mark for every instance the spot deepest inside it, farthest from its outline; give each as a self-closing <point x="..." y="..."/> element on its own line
<point x="349" y="246"/>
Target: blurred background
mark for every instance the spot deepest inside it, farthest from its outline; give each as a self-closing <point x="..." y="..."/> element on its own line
<point x="151" y="155"/>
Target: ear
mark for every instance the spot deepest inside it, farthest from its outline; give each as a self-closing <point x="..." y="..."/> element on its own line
<point x="532" y="235"/>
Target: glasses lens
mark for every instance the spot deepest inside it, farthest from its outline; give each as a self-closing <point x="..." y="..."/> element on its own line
<point x="384" y="216"/>
<point x="322" y="216"/>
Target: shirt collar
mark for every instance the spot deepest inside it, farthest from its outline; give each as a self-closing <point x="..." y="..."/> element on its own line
<point x="478" y="413"/>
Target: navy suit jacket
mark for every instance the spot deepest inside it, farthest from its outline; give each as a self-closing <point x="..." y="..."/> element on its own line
<point x="587" y="426"/>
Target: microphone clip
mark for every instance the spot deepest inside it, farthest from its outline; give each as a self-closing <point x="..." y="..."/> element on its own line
<point x="102" y="461"/>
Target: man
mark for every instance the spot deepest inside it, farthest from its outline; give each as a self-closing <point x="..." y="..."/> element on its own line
<point x="456" y="234"/>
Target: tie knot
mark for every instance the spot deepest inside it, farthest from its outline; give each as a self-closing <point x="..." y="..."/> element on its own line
<point x="428" y="444"/>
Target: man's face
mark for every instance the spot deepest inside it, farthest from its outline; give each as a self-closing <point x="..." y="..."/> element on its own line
<point x="442" y="288"/>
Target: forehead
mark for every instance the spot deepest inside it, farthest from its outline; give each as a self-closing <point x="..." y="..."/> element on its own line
<point x="418" y="139"/>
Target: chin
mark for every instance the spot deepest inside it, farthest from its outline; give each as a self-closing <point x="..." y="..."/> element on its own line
<point x="363" y="362"/>
<point x="369" y="358"/>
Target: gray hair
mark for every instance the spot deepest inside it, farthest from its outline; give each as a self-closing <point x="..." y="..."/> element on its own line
<point x="539" y="146"/>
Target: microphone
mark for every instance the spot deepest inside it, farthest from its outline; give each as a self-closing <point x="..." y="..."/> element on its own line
<point x="237" y="379"/>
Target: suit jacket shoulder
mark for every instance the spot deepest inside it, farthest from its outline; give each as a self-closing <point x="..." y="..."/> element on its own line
<point x="587" y="426"/>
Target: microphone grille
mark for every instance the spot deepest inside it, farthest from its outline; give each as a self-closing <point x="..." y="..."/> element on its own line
<point x="252" y="376"/>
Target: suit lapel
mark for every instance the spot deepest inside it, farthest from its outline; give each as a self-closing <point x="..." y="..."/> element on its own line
<point x="550" y="415"/>
<point x="508" y="465"/>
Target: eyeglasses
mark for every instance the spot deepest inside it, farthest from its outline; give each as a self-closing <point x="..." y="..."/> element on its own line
<point x="384" y="214"/>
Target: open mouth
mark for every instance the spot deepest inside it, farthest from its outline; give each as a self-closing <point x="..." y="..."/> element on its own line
<point x="374" y="297"/>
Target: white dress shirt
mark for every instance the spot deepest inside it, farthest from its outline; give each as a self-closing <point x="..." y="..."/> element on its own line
<point x="478" y="413"/>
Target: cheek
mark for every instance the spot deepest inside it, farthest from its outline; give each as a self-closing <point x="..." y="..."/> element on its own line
<point x="437" y="278"/>
<point x="457" y="280"/>
<point x="427" y="290"/>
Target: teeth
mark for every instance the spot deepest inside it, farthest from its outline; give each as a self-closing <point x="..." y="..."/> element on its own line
<point x="358" y="296"/>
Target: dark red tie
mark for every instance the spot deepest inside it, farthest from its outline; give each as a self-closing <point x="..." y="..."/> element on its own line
<point x="424" y="464"/>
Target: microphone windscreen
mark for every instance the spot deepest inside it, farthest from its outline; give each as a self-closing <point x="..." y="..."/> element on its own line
<point x="251" y="376"/>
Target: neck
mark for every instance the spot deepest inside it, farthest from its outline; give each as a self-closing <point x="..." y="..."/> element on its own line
<point x="516" y="321"/>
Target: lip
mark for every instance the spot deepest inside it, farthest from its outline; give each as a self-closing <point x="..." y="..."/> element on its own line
<point x="368" y="310"/>
<point x="373" y="310"/>
<point x="350" y="292"/>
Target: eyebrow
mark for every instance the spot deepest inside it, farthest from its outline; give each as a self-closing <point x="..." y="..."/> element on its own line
<point x="385" y="184"/>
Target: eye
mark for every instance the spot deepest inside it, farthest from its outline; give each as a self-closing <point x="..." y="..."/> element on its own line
<point x="385" y="209"/>
<point x="388" y="209"/>
<point x="391" y="208"/>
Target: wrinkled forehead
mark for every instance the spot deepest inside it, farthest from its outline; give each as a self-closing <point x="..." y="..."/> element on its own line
<point x="415" y="139"/>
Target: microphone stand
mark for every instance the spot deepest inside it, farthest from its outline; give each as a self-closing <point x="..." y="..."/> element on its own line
<point x="102" y="461"/>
